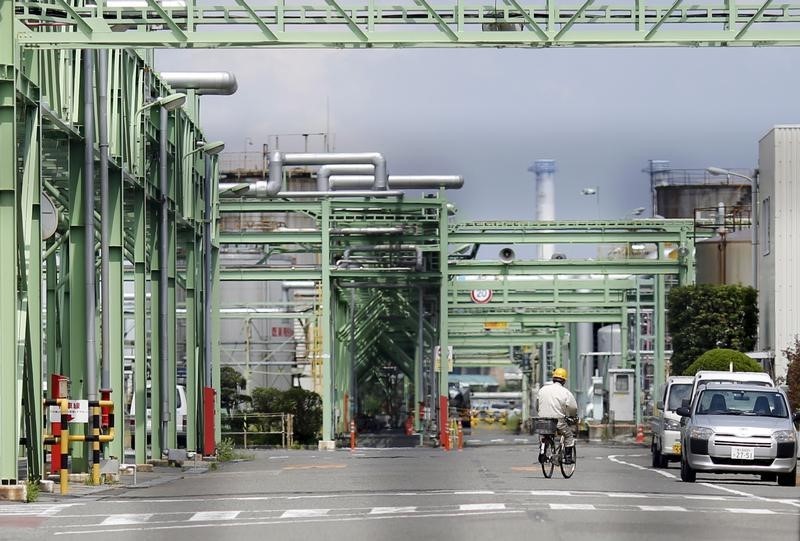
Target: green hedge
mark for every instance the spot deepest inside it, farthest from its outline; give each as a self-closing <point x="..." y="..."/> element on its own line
<point x="720" y="359"/>
<point x="306" y="406"/>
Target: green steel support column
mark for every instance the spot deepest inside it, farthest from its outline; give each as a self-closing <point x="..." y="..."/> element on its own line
<point x="115" y="307"/>
<point x="325" y="326"/>
<point x="64" y="309"/>
<point x="637" y="364"/>
<point x="191" y="340"/>
<point x="660" y="324"/>
<point x="77" y="286"/>
<point x="156" y="444"/>
<point x="172" y="322"/>
<point x="140" y="322"/>
<point x="624" y="337"/>
<point x="32" y="249"/>
<point x="51" y="322"/>
<point x="444" y="288"/>
<point x="215" y="329"/>
<point x="9" y="427"/>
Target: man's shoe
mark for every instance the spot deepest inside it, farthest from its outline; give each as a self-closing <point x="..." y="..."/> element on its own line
<point x="569" y="457"/>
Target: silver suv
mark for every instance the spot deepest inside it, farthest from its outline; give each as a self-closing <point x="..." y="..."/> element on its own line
<point x="735" y="428"/>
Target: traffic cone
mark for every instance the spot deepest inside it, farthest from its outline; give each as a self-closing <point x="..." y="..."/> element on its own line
<point x="640" y="434"/>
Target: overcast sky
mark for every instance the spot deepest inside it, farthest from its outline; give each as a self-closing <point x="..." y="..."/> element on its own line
<point x="488" y="114"/>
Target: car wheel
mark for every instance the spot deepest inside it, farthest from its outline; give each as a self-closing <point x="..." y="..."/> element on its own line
<point x="656" y="455"/>
<point x="663" y="461"/>
<point x="688" y="475"/>
<point x="788" y="479"/>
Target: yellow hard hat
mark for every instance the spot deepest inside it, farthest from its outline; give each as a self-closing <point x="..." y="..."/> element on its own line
<point x="560" y="373"/>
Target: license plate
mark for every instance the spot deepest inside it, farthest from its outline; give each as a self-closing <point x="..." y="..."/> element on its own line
<point x="742" y="453"/>
<point x="676" y="448"/>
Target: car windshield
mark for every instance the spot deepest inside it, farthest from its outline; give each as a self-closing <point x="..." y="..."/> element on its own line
<point x="742" y="402"/>
<point x="677" y="393"/>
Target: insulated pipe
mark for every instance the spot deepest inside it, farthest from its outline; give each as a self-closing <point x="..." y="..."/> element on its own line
<point x="204" y="82"/>
<point x="88" y="209"/>
<point x="278" y="160"/>
<point x="105" y="223"/>
<point x="261" y="188"/>
<point x="326" y="171"/>
<point x="163" y="237"/>
<point x="396" y="182"/>
<point x="344" y="193"/>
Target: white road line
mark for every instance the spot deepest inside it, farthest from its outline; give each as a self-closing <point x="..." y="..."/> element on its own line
<point x="752" y="496"/>
<point x="304" y="513"/>
<point x="472" y="492"/>
<point x="391" y="510"/>
<point x="626" y="495"/>
<point x="551" y="493"/>
<point x="482" y="507"/>
<point x="126" y="519"/>
<point x="271" y="522"/>
<point x="613" y="458"/>
<point x="33" y="509"/>
<point x="750" y="510"/>
<point x="663" y="508"/>
<point x="214" y="515"/>
<point x="572" y="507"/>
<point x="704" y="497"/>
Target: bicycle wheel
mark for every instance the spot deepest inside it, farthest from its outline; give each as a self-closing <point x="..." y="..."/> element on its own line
<point x="568" y="469"/>
<point x="547" y="465"/>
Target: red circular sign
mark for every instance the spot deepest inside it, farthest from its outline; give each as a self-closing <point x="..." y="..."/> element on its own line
<point x="481" y="296"/>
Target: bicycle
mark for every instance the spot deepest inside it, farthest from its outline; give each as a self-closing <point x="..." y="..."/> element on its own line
<point x="552" y="447"/>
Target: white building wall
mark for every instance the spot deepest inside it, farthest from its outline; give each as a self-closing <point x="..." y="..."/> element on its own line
<point x="779" y="242"/>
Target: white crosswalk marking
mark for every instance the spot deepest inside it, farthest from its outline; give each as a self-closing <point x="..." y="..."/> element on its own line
<point x="391" y="510"/>
<point x="751" y="511"/>
<point x="662" y="508"/>
<point x="126" y="519"/>
<point x="33" y="509"/>
<point x="626" y="495"/>
<point x="481" y="506"/>
<point x="304" y="513"/>
<point x="572" y="506"/>
<point x="214" y="515"/>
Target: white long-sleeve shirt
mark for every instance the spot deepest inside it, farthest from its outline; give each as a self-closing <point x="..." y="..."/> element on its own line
<point x="555" y="400"/>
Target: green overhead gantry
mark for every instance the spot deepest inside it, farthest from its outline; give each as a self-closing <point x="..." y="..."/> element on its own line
<point x="408" y="23"/>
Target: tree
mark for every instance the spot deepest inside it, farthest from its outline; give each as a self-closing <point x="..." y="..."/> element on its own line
<point x="306" y="406"/>
<point x="705" y="317"/>
<point x="721" y="359"/>
<point x="231" y="383"/>
<point x="793" y="373"/>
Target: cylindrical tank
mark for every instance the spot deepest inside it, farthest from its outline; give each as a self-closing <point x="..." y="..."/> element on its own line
<point x="725" y="259"/>
<point x="609" y="340"/>
<point x="680" y="201"/>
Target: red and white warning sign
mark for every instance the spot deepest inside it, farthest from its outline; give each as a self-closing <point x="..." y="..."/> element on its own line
<point x="77" y="410"/>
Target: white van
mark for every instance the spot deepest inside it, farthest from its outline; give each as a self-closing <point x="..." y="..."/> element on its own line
<point x="666" y="427"/>
<point x="703" y="377"/>
<point x="180" y="414"/>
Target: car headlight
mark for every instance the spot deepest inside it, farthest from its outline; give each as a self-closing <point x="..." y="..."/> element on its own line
<point x="670" y="424"/>
<point x="700" y="433"/>
<point x="783" y="436"/>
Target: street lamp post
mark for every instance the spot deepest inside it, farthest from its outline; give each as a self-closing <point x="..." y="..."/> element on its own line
<point x="753" y="213"/>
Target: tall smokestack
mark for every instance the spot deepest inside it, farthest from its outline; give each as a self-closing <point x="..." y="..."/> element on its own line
<point x="545" y="197"/>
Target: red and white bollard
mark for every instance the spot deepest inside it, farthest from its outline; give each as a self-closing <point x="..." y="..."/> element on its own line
<point x="352" y="435"/>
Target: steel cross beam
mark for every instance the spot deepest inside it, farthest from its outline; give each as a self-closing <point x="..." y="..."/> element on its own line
<point x="407" y="23"/>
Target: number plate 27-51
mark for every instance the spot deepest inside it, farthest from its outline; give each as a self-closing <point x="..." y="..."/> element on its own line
<point x="742" y="453"/>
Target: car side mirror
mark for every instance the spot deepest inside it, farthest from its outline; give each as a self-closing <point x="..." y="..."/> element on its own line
<point x="659" y="405"/>
<point x="683" y="411"/>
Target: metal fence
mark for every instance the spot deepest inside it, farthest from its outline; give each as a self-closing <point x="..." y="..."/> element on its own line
<point x="257" y="429"/>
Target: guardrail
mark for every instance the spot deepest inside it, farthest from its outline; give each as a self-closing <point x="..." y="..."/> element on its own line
<point x="258" y="427"/>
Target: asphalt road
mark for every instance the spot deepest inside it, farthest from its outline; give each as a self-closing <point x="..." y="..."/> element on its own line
<point x="487" y="493"/>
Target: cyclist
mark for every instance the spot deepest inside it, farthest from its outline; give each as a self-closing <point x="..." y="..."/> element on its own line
<point x="558" y="402"/>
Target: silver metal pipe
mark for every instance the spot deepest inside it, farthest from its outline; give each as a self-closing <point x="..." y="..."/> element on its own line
<point x="88" y="209"/>
<point x="105" y="223"/>
<point x="383" y="248"/>
<point x="391" y="230"/>
<point x="163" y="238"/>
<point x="278" y="160"/>
<point x="324" y="173"/>
<point x="342" y="193"/>
<point x="412" y="182"/>
<point x="204" y="82"/>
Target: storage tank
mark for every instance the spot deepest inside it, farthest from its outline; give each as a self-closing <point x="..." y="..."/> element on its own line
<point x="725" y="259"/>
<point x="609" y="339"/>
